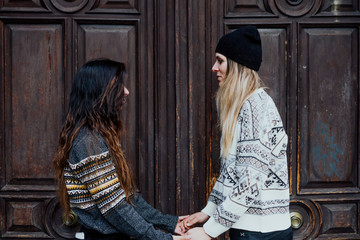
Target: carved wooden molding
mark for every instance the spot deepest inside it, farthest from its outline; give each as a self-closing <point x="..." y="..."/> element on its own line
<point x="338" y="8"/>
<point x="296" y="8"/>
<point x="310" y="213"/>
<point x="115" y="6"/>
<point x="244" y="8"/>
<point x="339" y="217"/>
<point x="289" y="8"/>
<point x="54" y="221"/>
<point x="69" y="6"/>
<point x="22" y="218"/>
<point x="23" y="6"/>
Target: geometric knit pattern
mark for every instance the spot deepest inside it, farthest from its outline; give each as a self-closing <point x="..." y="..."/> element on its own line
<point x="93" y="182"/>
<point x="96" y="196"/>
<point x="256" y="164"/>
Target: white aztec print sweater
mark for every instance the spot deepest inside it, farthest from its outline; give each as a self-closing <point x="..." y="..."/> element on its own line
<point x="252" y="190"/>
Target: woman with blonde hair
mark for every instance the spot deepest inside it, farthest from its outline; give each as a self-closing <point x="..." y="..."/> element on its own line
<point x="93" y="174"/>
<point x="251" y="195"/>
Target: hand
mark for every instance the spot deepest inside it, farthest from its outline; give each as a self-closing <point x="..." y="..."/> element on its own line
<point x="198" y="233"/>
<point x="180" y="228"/>
<point x="181" y="237"/>
<point x="195" y="218"/>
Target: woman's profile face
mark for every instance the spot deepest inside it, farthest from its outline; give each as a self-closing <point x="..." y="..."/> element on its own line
<point x="220" y="67"/>
<point x="126" y="93"/>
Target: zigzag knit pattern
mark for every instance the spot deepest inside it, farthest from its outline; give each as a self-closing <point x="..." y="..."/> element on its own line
<point x="93" y="181"/>
<point x="253" y="179"/>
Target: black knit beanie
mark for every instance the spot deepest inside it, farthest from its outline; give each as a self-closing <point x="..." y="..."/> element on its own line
<point x="242" y="46"/>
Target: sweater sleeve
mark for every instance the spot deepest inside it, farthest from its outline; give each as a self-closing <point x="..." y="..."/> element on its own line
<point x="244" y="189"/>
<point x="164" y="221"/>
<point x="252" y="164"/>
<point x="101" y="190"/>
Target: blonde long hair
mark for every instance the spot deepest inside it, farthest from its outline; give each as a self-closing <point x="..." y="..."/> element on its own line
<point x="237" y="86"/>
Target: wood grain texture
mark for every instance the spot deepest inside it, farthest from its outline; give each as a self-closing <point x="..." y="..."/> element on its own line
<point x="310" y="64"/>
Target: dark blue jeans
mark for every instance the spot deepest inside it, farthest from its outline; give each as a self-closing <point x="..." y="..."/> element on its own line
<point x="237" y="234"/>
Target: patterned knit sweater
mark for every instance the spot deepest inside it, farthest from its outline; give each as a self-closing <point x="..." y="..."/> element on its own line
<point x="96" y="196"/>
<point x="252" y="190"/>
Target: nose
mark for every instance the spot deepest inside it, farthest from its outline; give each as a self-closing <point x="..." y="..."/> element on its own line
<point x="126" y="91"/>
<point x="215" y="67"/>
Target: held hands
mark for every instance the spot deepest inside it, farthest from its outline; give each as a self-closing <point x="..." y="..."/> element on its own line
<point x="180" y="229"/>
<point x="198" y="233"/>
<point x="186" y="222"/>
<point x="195" y="218"/>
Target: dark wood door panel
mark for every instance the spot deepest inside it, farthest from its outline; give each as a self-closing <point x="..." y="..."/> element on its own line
<point x="339" y="219"/>
<point x="33" y="99"/>
<point x="328" y="109"/>
<point x="34" y="94"/>
<point x="36" y="6"/>
<point x="22" y="218"/>
<point x="275" y="64"/>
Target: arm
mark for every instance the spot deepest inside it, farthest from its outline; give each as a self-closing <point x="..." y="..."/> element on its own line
<point x="243" y="192"/>
<point x="128" y="221"/>
<point x="95" y="171"/>
<point x="152" y="215"/>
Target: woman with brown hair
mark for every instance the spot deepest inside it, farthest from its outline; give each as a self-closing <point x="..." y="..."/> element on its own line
<point x="93" y="174"/>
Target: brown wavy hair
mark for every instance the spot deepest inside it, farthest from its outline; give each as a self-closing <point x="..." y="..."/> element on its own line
<point x="96" y="99"/>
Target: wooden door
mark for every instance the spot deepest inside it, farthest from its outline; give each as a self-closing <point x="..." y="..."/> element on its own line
<point x="43" y="43"/>
<point x="311" y="64"/>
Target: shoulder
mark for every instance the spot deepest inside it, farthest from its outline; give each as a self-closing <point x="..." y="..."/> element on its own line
<point x="86" y="144"/>
<point x="256" y="103"/>
<point x="259" y="98"/>
<point x="260" y="103"/>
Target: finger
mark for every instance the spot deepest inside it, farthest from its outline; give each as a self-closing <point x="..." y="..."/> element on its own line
<point x="183" y="217"/>
<point x="183" y="224"/>
<point x="181" y="237"/>
<point x="186" y="237"/>
<point x="186" y="225"/>
<point x="180" y="229"/>
<point x="191" y="221"/>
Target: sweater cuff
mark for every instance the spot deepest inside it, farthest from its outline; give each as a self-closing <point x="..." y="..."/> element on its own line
<point x="213" y="228"/>
<point x="209" y="209"/>
<point x="171" y="223"/>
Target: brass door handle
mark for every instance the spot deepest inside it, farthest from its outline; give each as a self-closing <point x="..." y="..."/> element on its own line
<point x="72" y="220"/>
<point x="296" y="220"/>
